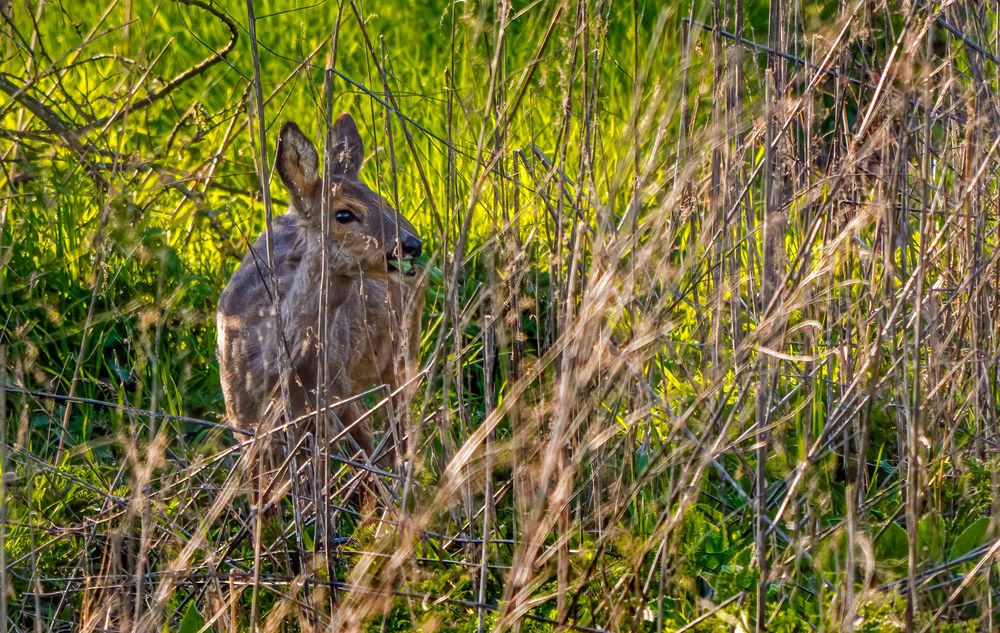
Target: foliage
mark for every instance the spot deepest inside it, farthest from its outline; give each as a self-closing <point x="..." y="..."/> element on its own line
<point x="710" y="340"/>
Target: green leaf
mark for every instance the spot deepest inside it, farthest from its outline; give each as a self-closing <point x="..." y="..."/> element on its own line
<point x="930" y="538"/>
<point x="891" y="547"/>
<point x="641" y="461"/>
<point x="192" y="621"/>
<point x="973" y="536"/>
<point x="307" y="539"/>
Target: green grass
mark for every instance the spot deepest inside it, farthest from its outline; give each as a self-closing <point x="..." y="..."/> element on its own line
<point x="617" y="350"/>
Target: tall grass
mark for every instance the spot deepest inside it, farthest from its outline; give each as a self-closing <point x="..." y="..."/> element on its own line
<point x="710" y="341"/>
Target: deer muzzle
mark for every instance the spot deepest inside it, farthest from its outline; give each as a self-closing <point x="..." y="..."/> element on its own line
<point x="408" y="247"/>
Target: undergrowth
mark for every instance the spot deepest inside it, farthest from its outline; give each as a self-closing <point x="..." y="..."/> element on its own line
<point x="710" y="339"/>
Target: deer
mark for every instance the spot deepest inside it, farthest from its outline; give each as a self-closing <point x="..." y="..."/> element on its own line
<point x="361" y="279"/>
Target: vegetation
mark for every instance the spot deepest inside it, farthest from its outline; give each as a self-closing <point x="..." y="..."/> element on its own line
<point x="710" y="341"/>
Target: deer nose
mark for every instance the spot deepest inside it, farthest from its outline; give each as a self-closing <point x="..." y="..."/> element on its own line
<point x="411" y="246"/>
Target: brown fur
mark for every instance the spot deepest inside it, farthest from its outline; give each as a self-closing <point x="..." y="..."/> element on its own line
<point x="373" y="314"/>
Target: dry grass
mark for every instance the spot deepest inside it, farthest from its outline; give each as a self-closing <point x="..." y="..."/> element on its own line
<point x="711" y="340"/>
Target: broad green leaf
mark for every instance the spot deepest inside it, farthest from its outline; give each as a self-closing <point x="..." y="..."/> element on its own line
<point x="930" y="538"/>
<point x="973" y="536"/>
<point x="192" y="621"/>
<point x="891" y="547"/>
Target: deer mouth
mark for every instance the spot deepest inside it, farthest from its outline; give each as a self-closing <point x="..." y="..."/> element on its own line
<point x="406" y="265"/>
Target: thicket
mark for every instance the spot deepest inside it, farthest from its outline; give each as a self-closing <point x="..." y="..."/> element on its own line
<point x="710" y="342"/>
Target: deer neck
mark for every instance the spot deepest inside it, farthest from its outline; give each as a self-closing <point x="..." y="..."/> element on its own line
<point x="309" y="283"/>
<point x="338" y="289"/>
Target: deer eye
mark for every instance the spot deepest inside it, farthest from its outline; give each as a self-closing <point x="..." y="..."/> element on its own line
<point x="344" y="216"/>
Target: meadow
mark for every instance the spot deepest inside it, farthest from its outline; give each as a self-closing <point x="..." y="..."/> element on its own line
<point x="710" y="340"/>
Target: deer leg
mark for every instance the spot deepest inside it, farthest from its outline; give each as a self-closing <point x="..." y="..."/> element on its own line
<point x="402" y="387"/>
<point x="263" y="460"/>
<point x="349" y="416"/>
<point x="358" y="450"/>
<point x="268" y="451"/>
<point x="406" y="364"/>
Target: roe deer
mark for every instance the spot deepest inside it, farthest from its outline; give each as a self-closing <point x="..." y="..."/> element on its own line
<point x="372" y="309"/>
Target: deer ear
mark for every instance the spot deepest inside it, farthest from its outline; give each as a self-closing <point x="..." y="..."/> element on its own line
<point x="298" y="163"/>
<point x="347" y="150"/>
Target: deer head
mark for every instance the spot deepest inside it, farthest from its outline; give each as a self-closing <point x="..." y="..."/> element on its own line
<point x="367" y="235"/>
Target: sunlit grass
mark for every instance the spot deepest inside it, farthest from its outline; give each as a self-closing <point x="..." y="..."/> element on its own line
<point x="621" y="336"/>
